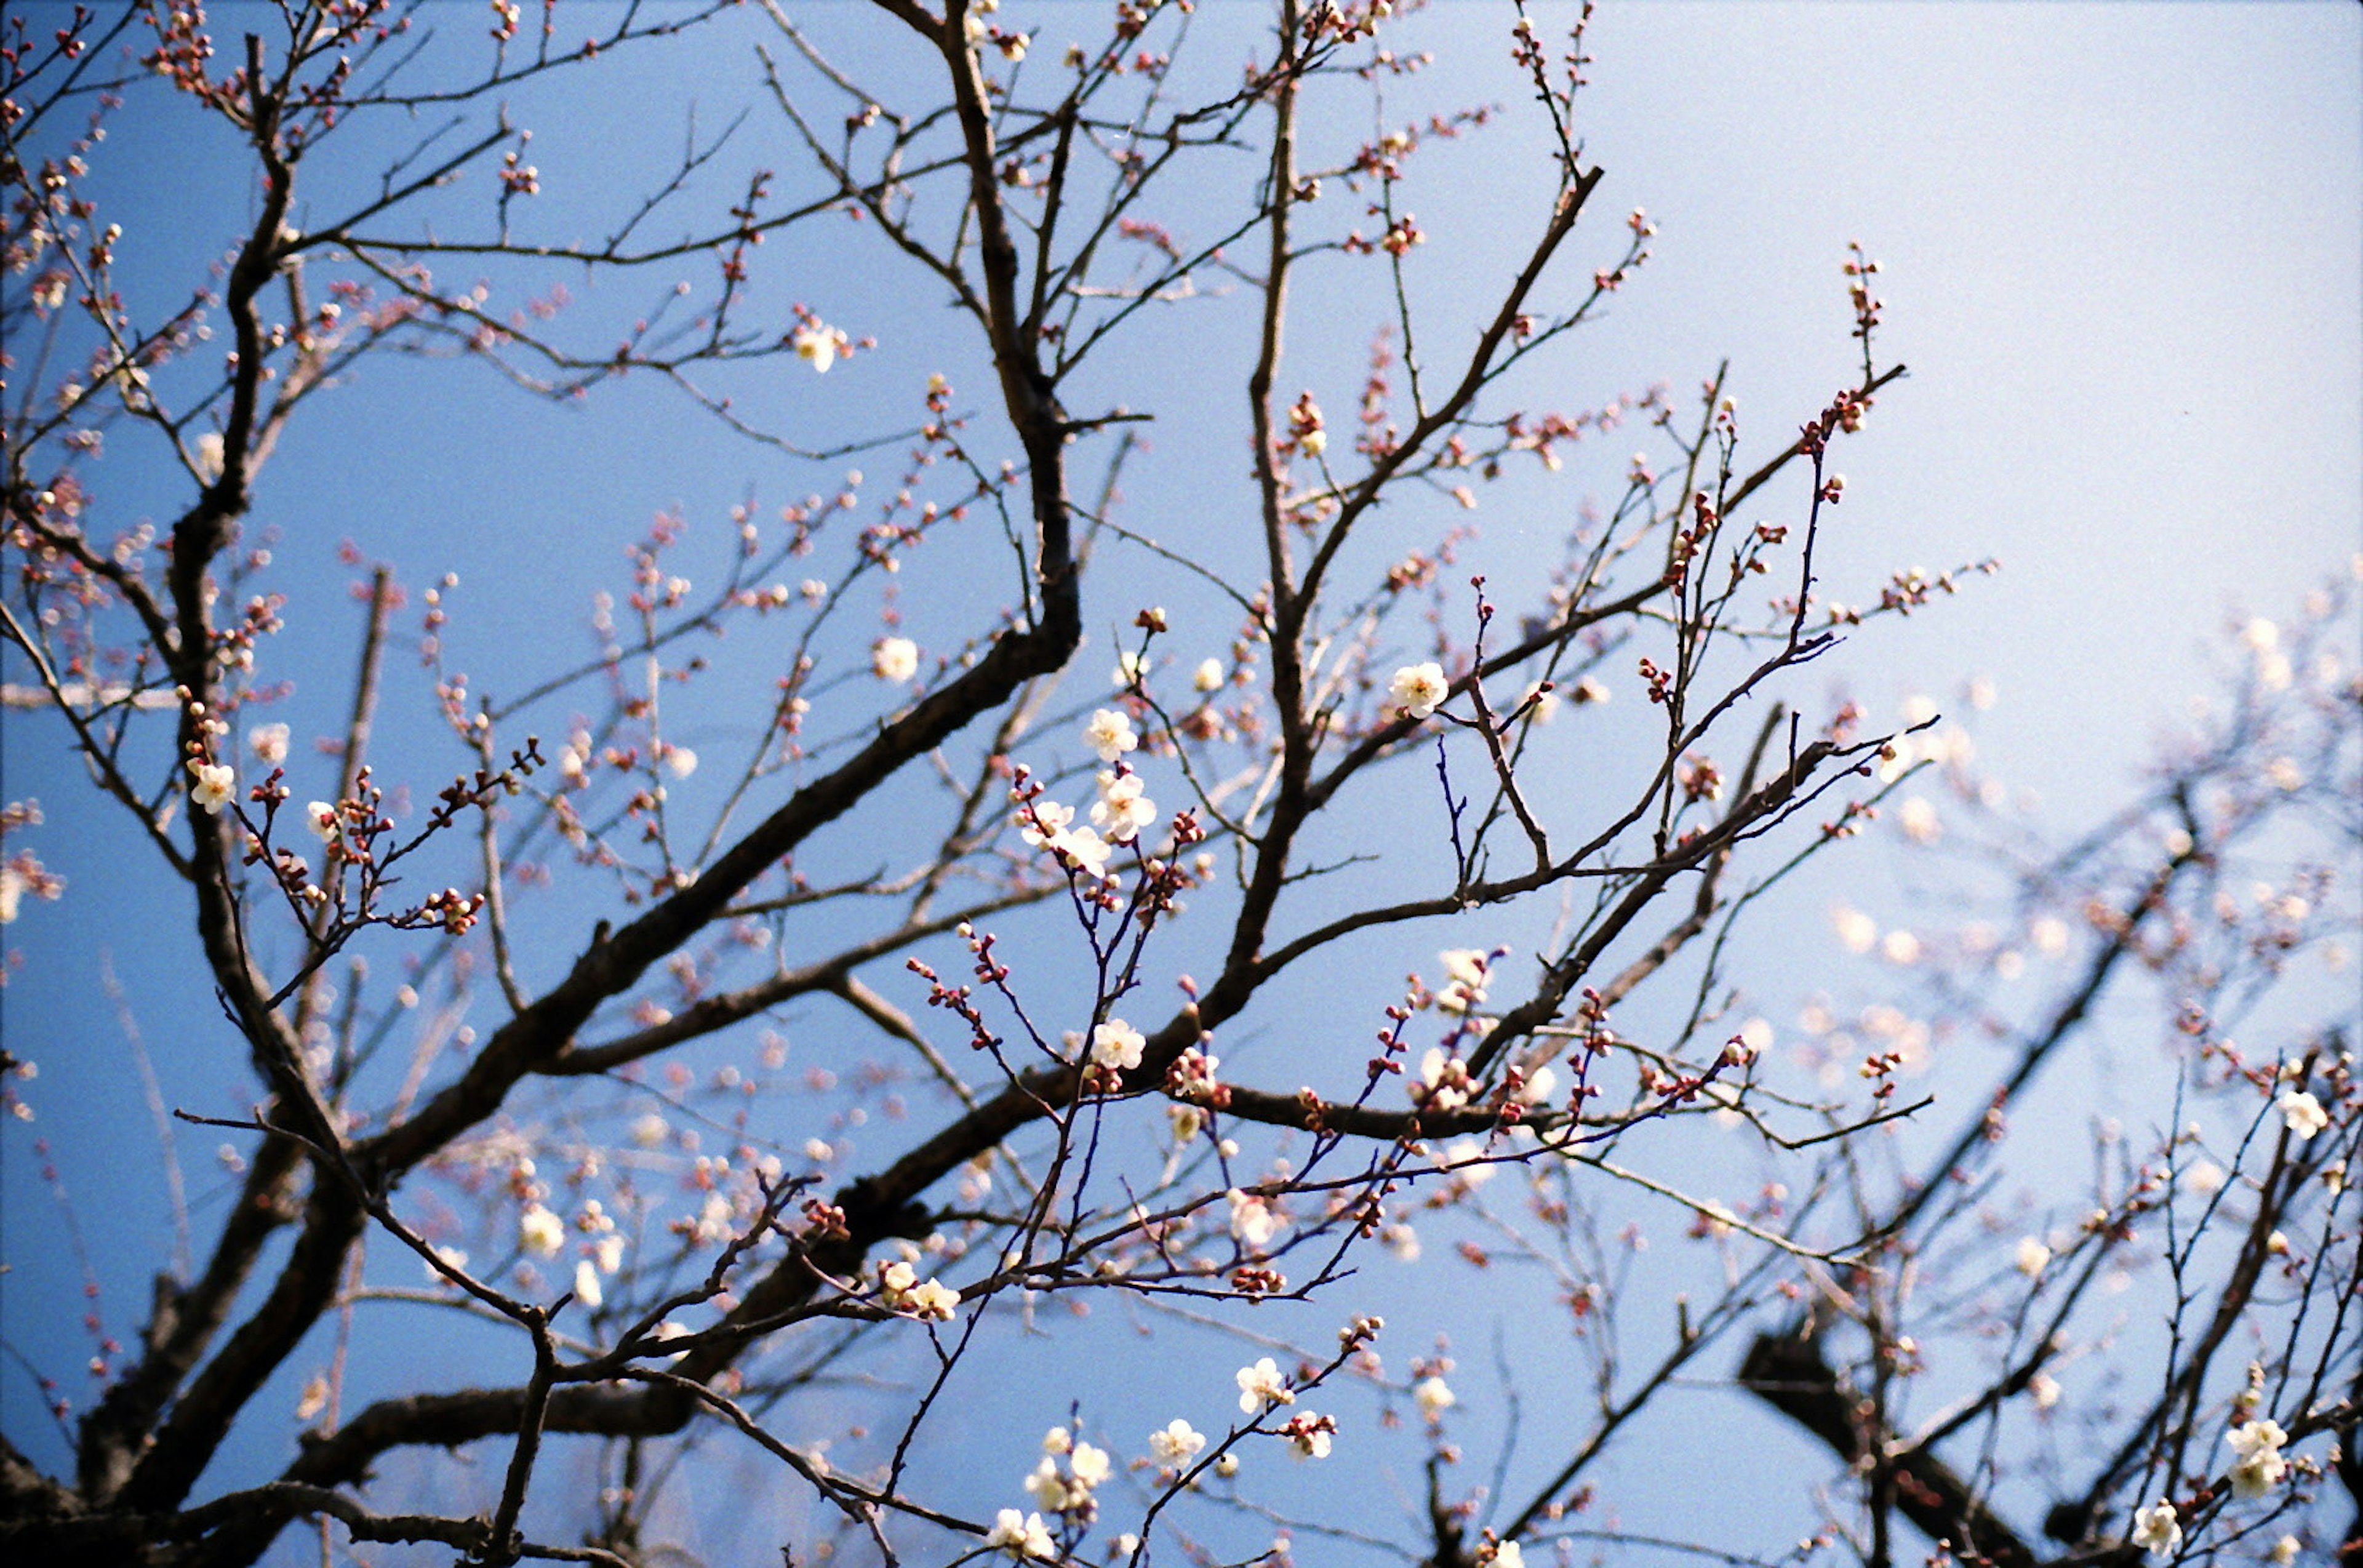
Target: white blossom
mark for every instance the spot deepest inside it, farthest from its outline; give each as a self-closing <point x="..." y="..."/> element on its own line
<point x="1260" y="1385"/>
<point x="818" y="344"/>
<point x="1122" y="810"/>
<point x="1021" y="1535"/>
<point x="2157" y="1530"/>
<point x="1208" y="677"/>
<point x="2033" y="1256"/>
<point x="1086" y="848"/>
<point x="1433" y="1397"/>
<point x="2303" y="1114"/>
<point x="1253" y="1221"/>
<point x="1419" y="689"/>
<point x="2259" y="1465"/>
<point x="1116" y="1044"/>
<point x="269" y="742"/>
<point x="1110" y="734"/>
<point x="1088" y="1466"/>
<point x="1177" y="1442"/>
<point x="540" y="1232"/>
<point x="894" y="659"/>
<point x="216" y="781"/>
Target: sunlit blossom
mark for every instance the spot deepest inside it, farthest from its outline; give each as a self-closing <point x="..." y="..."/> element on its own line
<point x="2258" y="1466"/>
<point x="894" y="659"/>
<point x="1110" y="734"/>
<point x="1122" y="810"/>
<point x="1419" y="689"/>
<point x="1116" y="1044"/>
<point x="1021" y="1535"/>
<point x="1253" y="1220"/>
<point x="1433" y="1397"/>
<point x="2302" y="1114"/>
<point x="1261" y="1386"/>
<point x="2156" y="1529"/>
<point x="1177" y="1442"/>
<point x="818" y="344"/>
<point x="216" y="781"/>
<point x="540" y="1232"/>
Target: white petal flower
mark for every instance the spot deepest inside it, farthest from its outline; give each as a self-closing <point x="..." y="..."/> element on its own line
<point x="1051" y="817"/>
<point x="2260" y="1466"/>
<point x="1122" y="811"/>
<point x="1208" y="677"/>
<point x="540" y="1232"/>
<point x="269" y="742"/>
<point x="1116" y="1044"/>
<point x="320" y="816"/>
<point x="1419" y="689"/>
<point x="931" y="1301"/>
<point x="894" y="659"/>
<point x="2157" y="1530"/>
<point x="1087" y="1465"/>
<point x="1261" y="1386"/>
<point x="1110" y="734"/>
<point x="1433" y="1397"/>
<point x="216" y="781"/>
<point x="818" y="344"/>
<point x="1178" y="1442"/>
<point x="2303" y="1114"/>
<point x="586" y="1284"/>
<point x="1253" y="1220"/>
<point x="2033" y="1256"/>
<point x="1021" y="1535"/>
<point x="1086" y="848"/>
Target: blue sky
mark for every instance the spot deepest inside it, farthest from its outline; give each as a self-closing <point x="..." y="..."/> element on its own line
<point x="2123" y="252"/>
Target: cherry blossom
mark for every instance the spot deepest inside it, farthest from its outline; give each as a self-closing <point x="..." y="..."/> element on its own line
<point x="1177" y="1442"/>
<point x="1021" y="1535"/>
<point x="216" y="781"/>
<point x="1261" y="1387"/>
<point x="1110" y="734"/>
<point x="1419" y="689"/>
<point x="2156" y="1529"/>
<point x="1123" y="810"/>
<point x="540" y="1232"/>
<point x="818" y="344"/>
<point x="2303" y="1114"/>
<point x="320" y="816"/>
<point x="1116" y="1044"/>
<point x="894" y="659"/>
<point x="1253" y="1220"/>
<point x="2259" y="1465"/>
<point x="1086" y="848"/>
<point x="1433" y="1397"/>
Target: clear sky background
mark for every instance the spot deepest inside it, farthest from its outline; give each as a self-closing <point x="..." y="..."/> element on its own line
<point x="2123" y="259"/>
